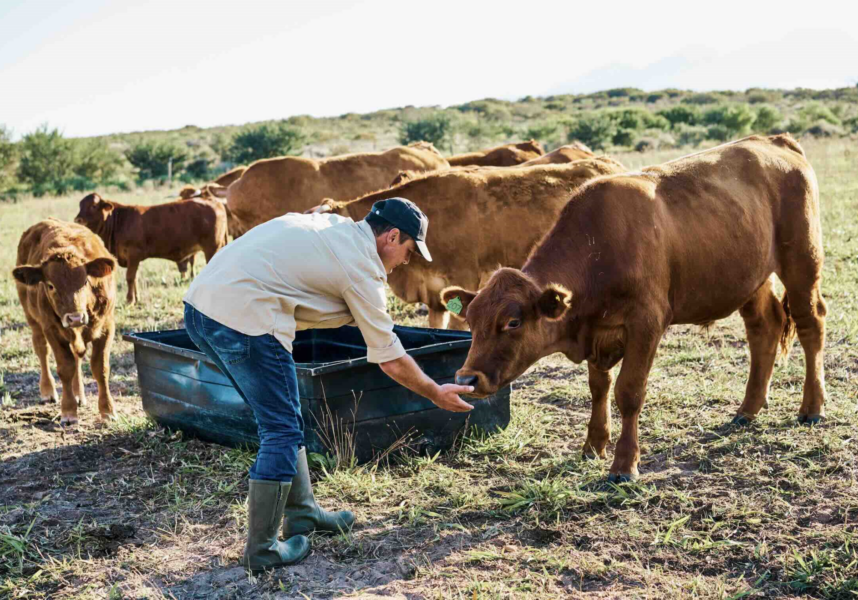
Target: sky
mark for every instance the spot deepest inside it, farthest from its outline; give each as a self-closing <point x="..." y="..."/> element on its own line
<point x="91" y="67"/>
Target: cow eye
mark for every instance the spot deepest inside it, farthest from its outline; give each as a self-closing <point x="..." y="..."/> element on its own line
<point x="50" y="286"/>
<point x="513" y="324"/>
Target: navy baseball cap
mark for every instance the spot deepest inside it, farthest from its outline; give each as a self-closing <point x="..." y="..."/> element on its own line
<point x="404" y="215"/>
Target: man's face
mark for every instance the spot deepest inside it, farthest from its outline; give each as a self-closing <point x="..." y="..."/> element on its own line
<point x="393" y="252"/>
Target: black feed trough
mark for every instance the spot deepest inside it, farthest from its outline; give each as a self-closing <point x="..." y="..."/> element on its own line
<point x="340" y="391"/>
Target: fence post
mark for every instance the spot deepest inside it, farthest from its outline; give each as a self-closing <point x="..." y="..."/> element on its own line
<point x="170" y="172"/>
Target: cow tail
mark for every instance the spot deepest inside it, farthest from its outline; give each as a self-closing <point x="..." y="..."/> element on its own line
<point x="788" y="333"/>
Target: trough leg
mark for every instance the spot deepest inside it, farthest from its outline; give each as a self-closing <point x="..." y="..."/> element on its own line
<point x="599" y="429"/>
<point x="100" y="364"/>
<point x="641" y="345"/>
<point x="765" y="320"/>
<point x="47" y="384"/>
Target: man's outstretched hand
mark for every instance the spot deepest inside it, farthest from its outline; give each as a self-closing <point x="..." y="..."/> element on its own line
<point x="448" y="397"/>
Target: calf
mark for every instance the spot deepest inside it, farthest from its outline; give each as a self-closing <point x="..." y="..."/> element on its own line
<point x="67" y="289"/>
<point x="690" y="241"/>
<point x="172" y="231"/>
<point x="509" y="155"/>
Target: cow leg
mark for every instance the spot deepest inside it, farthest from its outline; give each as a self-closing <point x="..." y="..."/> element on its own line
<point x="808" y="310"/>
<point x="191" y="260"/>
<point x="100" y="364"/>
<point x="77" y="383"/>
<point x="131" y="280"/>
<point x="764" y="323"/>
<point x="436" y="318"/>
<point x="66" y="368"/>
<point x="599" y="429"/>
<point x="642" y="341"/>
<point x="47" y="385"/>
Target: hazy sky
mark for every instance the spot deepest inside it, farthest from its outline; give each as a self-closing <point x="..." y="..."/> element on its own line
<point x="92" y="66"/>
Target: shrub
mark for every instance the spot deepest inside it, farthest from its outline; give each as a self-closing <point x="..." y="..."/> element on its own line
<point x="851" y="125"/>
<point x="689" y="135"/>
<point x="655" y="97"/>
<point x="718" y="132"/>
<point x="266" y="141"/>
<point x="823" y="128"/>
<point x="95" y="161"/>
<point x="735" y="119"/>
<point x="593" y="129"/>
<point x="199" y="169"/>
<point x="701" y="99"/>
<point x="543" y="130"/>
<point x="766" y="119"/>
<point x="435" y="129"/>
<point x="624" y="92"/>
<point x="8" y="157"/>
<point x="680" y="114"/>
<point x="624" y="137"/>
<point x="816" y="111"/>
<point x="151" y="159"/>
<point x="46" y="159"/>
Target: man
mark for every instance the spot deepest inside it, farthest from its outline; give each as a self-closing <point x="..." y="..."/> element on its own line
<point x="292" y="273"/>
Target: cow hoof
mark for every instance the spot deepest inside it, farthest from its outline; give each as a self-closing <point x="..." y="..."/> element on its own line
<point x="621" y="477"/>
<point x="741" y="421"/>
<point x="810" y="419"/>
<point x="50" y="399"/>
<point x="68" y="421"/>
<point x="106" y="417"/>
<point x="81" y="401"/>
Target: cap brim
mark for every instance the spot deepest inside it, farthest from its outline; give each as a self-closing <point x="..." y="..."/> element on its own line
<point x="424" y="251"/>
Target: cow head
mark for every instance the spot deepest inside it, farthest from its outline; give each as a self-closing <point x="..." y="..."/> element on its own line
<point x="511" y="321"/>
<point x="94" y="211"/>
<point x="65" y="279"/>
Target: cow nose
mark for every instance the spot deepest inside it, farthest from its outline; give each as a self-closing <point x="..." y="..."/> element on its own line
<point x="466" y="380"/>
<point x="75" y="319"/>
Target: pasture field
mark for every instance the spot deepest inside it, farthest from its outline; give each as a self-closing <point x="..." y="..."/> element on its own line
<point x="129" y="510"/>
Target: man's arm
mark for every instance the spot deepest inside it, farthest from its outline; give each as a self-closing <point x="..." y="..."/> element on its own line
<point x="405" y="372"/>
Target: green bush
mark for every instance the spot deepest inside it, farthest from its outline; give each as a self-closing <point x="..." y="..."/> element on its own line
<point x="735" y="119"/>
<point x="851" y="125"/>
<point x="594" y="129"/>
<point x="689" y="135"/>
<point x="543" y="130"/>
<point x="95" y="161"/>
<point x="266" y="141"/>
<point x="766" y="119"/>
<point x="8" y="158"/>
<point x="151" y="159"/>
<point x="47" y="158"/>
<point x="680" y="114"/>
<point x="624" y="92"/>
<point x="655" y="97"/>
<point x="816" y="111"/>
<point x="436" y="129"/>
<point x="624" y="137"/>
<point x="702" y="99"/>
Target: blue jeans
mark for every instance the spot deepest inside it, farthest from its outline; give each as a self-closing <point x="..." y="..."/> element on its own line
<point x="263" y="373"/>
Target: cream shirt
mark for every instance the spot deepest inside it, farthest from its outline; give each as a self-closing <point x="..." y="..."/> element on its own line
<point x="300" y="272"/>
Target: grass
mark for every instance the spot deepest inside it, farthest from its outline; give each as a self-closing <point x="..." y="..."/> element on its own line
<point x="132" y="511"/>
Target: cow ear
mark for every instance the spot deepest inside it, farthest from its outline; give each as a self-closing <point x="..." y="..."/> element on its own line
<point x="106" y="206"/>
<point x="554" y="302"/>
<point x="456" y="300"/>
<point x="28" y="275"/>
<point x="100" y="267"/>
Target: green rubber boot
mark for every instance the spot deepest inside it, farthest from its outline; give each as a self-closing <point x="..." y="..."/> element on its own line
<point x="264" y="510"/>
<point x="302" y="515"/>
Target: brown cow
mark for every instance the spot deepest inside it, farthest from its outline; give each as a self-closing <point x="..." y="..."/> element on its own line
<point x="275" y="186"/>
<point x="689" y="241"/>
<point x="65" y="282"/>
<point x="563" y="154"/>
<point x="172" y="231"/>
<point x="502" y="156"/>
<point x="480" y="218"/>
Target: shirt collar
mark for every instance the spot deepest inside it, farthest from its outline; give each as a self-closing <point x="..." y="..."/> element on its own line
<point x="366" y="230"/>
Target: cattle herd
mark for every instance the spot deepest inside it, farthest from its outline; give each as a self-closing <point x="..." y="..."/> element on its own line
<point x="536" y="253"/>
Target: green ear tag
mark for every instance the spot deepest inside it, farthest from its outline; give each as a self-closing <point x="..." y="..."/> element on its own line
<point x="455" y="305"/>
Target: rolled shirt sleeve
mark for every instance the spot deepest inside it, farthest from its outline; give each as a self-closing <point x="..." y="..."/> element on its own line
<point x="367" y="302"/>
